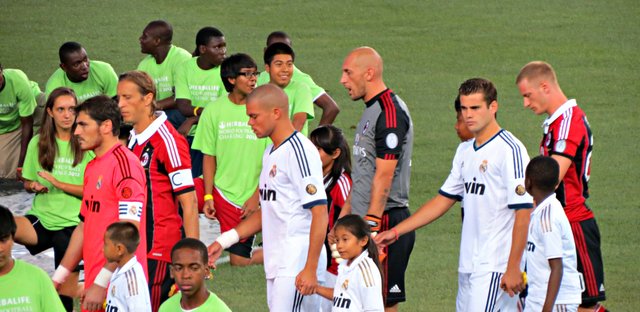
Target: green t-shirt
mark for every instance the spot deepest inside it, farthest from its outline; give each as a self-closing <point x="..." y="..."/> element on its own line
<point x="164" y="74"/>
<point x="28" y="288"/>
<point x="199" y="86"/>
<point x="213" y="303"/>
<point x="16" y="100"/>
<point x="300" y="102"/>
<point x="225" y="133"/>
<point x="300" y="76"/>
<point x="102" y="80"/>
<point x="55" y="209"/>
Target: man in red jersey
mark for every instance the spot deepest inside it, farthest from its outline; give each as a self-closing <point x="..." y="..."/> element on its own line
<point x="164" y="155"/>
<point x="568" y="139"/>
<point x="114" y="189"/>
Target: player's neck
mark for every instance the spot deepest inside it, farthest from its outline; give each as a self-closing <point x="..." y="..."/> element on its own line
<point x="160" y="54"/>
<point x="8" y="267"/>
<point x="281" y="133"/>
<point x="195" y="301"/>
<point x="555" y="102"/>
<point x="237" y="97"/>
<point x="124" y="260"/>
<point x="107" y="144"/>
<point x="144" y="123"/>
<point x="487" y="133"/>
<point x="63" y="135"/>
<point x="539" y="196"/>
<point x="204" y="64"/>
<point x="374" y="88"/>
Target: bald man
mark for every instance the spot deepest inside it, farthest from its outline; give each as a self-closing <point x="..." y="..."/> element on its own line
<point x="381" y="162"/>
<point x="161" y="62"/>
<point x="293" y="203"/>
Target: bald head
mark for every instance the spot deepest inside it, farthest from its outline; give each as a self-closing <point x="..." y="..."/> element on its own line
<point x="162" y="30"/>
<point x="362" y="74"/>
<point x="269" y="96"/>
<point x="367" y="58"/>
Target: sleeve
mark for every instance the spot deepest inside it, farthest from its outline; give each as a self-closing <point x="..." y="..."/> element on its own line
<point x="206" y="132"/>
<point x="53" y="82"/>
<point x="551" y="234"/>
<point x="177" y="161"/>
<point x="26" y="99"/>
<point x="306" y="173"/>
<point x="514" y="163"/>
<point x="302" y="102"/>
<point x="370" y="293"/>
<point x="568" y="137"/>
<point x="391" y="129"/>
<point x="130" y="193"/>
<point x="453" y="187"/>
<point x="181" y="81"/>
<point x="49" y="301"/>
<point x="30" y="166"/>
<point x="110" y="81"/>
<point x="138" y="300"/>
<point x="343" y="188"/>
<point x="316" y="90"/>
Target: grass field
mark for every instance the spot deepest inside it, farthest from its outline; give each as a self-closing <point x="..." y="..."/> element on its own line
<point x="429" y="48"/>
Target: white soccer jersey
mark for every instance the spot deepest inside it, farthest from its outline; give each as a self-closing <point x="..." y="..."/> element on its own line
<point x="549" y="238"/>
<point x="291" y="183"/>
<point x="128" y="289"/>
<point x="358" y="286"/>
<point x="489" y="179"/>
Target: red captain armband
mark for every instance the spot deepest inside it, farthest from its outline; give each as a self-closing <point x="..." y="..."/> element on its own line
<point x="374" y="222"/>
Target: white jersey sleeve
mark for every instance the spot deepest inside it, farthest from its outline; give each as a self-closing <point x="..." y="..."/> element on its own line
<point x="306" y="172"/>
<point x="128" y="289"/>
<point x="453" y="187"/>
<point x="371" y="286"/>
<point x="514" y="164"/>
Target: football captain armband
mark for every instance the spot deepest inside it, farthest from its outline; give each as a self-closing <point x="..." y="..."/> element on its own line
<point x="130" y="210"/>
<point x="181" y="178"/>
<point x="374" y="222"/>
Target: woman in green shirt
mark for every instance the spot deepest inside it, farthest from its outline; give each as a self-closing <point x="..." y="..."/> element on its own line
<point x="54" y="170"/>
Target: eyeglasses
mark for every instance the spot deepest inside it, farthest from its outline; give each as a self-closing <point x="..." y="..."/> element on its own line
<point x="249" y="75"/>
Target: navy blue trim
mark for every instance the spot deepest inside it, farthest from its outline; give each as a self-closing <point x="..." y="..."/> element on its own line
<point x="314" y="203"/>
<point x="518" y="167"/>
<point x="450" y="196"/>
<point x="303" y="162"/>
<point x="273" y="148"/>
<point x="494" y="287"/>
<point x="485" y="143"/>
<point x="551" y="153"/>
<point x="188" y="189"/>
<point x="521" y="206"/>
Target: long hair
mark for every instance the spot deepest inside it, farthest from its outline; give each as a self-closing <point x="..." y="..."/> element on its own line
<point x="330" y="138"/>
<point x="355" y="225"/>
<point x="47" y="146"/>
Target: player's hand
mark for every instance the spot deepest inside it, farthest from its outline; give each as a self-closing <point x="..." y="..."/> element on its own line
<point x="306" y="282"/>
<point x="250" y="206"/>
<point x="215" y="251"/>
<point x="47" y="176"/>
<point x="19" y="174"/>
<point x="209" y="209"/>
<point x="38" y="188"/>
<point x="331" y="237"/>
<point x="56" y="285"/>
<point x="94" y="298"/>
<point x="385" y="239"/>
<point x="512" y="282"/>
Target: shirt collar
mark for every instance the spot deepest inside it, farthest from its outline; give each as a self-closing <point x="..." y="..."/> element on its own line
<point x="126" y="266"/>
<point x="376" y="97"/>
<point x="563" y="108"/>
<point x="354" y="264"/>
<point x="147" y="133"/>
<point x="545" y="202"/>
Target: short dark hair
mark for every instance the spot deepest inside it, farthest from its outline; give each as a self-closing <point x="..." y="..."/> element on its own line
<point x="193" y="244"/>
<point x="68" y="48"/>
<point x="231" y="66"/>
<point x="479" y="85"/>
<point x="166" y="30"/>
<point x="203" y="37"/>
<point x="125" y="233"/>
<point x="278" y="34"/>
<point x="456" y="104"/>
<point x="7" y="223"/>
<point x="543" y="173"/>
<point x="101" y="108"/>
<point x="278" y="48"/>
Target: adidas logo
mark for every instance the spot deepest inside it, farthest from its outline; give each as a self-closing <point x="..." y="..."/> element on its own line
<point x="601" y="287"/>
<point x="395" y="289"/>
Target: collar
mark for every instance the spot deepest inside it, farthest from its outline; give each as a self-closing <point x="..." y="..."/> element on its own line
<point x="147" y="133"/>
<point x="126" y="266"/>
<point x="344" y="267"/>
<point x="563" y="108"/>
<point x="375" y="98"/>
<point x="547" y="201"/>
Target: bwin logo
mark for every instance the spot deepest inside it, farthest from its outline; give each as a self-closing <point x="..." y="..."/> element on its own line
<point x="267" y="194"/>
<point x="531" y="247"/>
<point x="340" y="302"/>
<point x="92" y="205"/>
<point x="474" y="188"/>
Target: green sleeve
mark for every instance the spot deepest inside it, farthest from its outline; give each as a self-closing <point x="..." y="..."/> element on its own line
<point x="304" y="78"/>
<point x="24" y="94"/>
<point x="206" y="132"/>
<point x="110" y="81"/>
<point x="54" y="81"/>
<point x="30" y="166"/>
<point x="49" y="299"/>
<point x="302" y="102"/>
<point x="181" y="82"/>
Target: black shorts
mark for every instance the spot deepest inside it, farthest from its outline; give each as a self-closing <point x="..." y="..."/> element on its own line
<point x="395" y="264"/>
<point x="242" y="248"/>
<point x="160" y="282"/>
<point x="587" y="238"/>
<point x="59" y="239"/>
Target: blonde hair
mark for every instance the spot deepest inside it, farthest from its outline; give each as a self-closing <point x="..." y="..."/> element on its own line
<point x="537" y="70"/>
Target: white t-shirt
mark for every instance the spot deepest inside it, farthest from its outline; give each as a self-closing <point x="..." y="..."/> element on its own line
<point x="358" y="286"/>
<point x="550" y="237"/>
<point x="290" y="184"/>
<point x="128" y="289"/>
<point x="489" y="179"/>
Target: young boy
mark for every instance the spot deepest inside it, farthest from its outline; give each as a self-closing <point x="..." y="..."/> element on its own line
<point x="554" y="282"/>
<point x="128" y="289"/>
<point x="278" y="60"/>
<point x="189" y="268"/>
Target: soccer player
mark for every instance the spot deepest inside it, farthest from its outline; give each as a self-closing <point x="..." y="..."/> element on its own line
<point x="128" y="286"/>
<point x="293" y="202"/>
<point x="161" y="63"/>
<point x="189" y="261"/>
<point x="25" y="287"/>
<point x="164" y="154"/>
<point x="278" y="60"/>
<point x="86" y="78"/>
<point x="198" y="83"/>
<point x="554" y="283"/>
<point x="114" y="190"/>
<point x="232" y="155"/>
<point x="381" y="162"/>
<point x="487" y="175"/>
<point x="320" y="97"/>
<point x="568" y="139"/>
<point x="17" y="106"/>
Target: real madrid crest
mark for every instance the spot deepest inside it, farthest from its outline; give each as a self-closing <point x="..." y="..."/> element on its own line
<point x="520" y="190"/>
<point x="311" y="189"/>
<point x="99" y="183"/>
<point x="345" y="285"/>
<point x="273" y="171"/>
<point x="113" y="290"/>
<point x="483" y="166"/>
<point x="133" y="210"/>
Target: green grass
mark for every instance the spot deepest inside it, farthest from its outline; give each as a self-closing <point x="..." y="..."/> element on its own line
<point x="429" y="48"/>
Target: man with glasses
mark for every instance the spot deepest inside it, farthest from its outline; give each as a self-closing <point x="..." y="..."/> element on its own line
<point x="232" y="155"/>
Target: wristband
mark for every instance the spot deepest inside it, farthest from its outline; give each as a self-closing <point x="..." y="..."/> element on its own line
<point x="374" y="222"/>
<point x="61" y="274"/>
<point x="395" y="232"/>
<point x="103" y="278"/>
<point x="208" y="197"/>
<point x="228" y="238"/>
<point x="195" y="111"/>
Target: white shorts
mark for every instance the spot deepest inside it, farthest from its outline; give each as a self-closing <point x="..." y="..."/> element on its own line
<point x="534" y="306"/>
<point x="282" y="295"/>
<point x="480" y="291"/>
